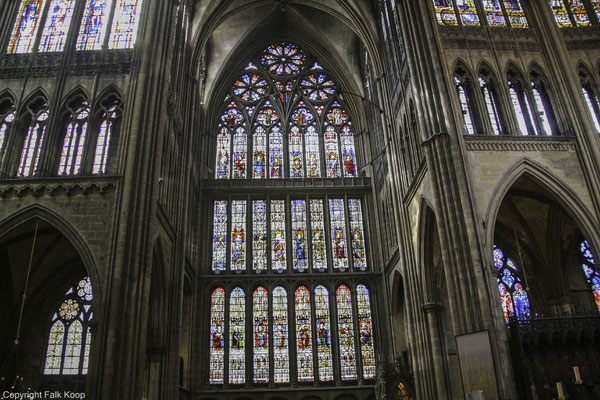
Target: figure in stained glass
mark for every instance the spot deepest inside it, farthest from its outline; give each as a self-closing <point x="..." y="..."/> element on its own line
<point x="280" y="336"/>
<point x="589" y="269"/>
<point x="513" y="296"/>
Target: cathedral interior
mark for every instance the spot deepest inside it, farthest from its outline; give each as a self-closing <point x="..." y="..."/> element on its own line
<point x="300" y="199"/>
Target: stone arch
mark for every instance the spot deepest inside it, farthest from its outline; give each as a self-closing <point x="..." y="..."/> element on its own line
<point x="513" y="71"/>
<point x="35" y="100"/>
<point x="459" y="62"/>
<point x="77" y="93"/>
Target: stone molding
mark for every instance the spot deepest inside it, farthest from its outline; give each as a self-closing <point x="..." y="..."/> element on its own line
<point x="52" y="186"/>
<point x="519" y="143"/>
<point x="484" y="38"/>
<point x="301" y="184"/>
<point x="582" y="38"/>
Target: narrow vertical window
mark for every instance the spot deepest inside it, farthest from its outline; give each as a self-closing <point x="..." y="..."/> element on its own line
<point x="220" y="236"/>
<point x="223" y="143"/>
<point x="313" y="155"/>
<point x="73" y="349"/>
<point x="468" y="13"/>
<point x="238" y="235"/>
<point x="259" y="235"/>
<point x="541" y="109"/>
<point x="464" y="106"/>
<point x="296" y="156"/>
<point x="493" y="12"/>
<point x="299" y="235"/>
<point x="93" y="25"/>
<point x="365" y="329"/>
<point x="592" y="103"/>
<point x="217" y="337"/>
<point x="336" y="118"/>
<point x="74" y="141"/>
<point x="278" y="247"/>
<point x="332" y="152"/>
<point x="237" y="337"/>
<point x="516" y="15"/>
<point x="596" y="5"/>
<point x="124" y="27"/>
<point x="101" y="154"/>
<point x="444" y="11"/>
<point x="86" y="351"/>
<point x="515" y="301"/>
<point x="239" y="153"/>
<point x="518" y="111"/>
<point x="276" y="153"/>
<point x="57" y="25"/>
<point x="357" y="234"/>
<point x="26" y="26"/>
<point x="55" y="349"/>
<point x="560" y="13"/>
<point x="338" y="233"/>
<point x="319" y="256"/>
<point x="260" y="310"/>
<point x="579" y="13"/>
<point x="589" y="269"/>
<point x="5" y="124"/>
<point x="231" y="121"/>
<point x="490" y="106"/>
<point x="304" y="350"/>
<point x="280" y="336"/>
<point x="346" y="334"/>
<point x="347" y="138"/>
<point x="33" y="145"/>
<point x="259" y="160"/>
<point x="323" y="338"/>
<point x="529" y="112"/>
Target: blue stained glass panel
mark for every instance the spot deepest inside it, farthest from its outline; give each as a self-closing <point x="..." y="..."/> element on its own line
<point x="26" y="26"/>
<point x="125" y="22"/>
<point x="93" y="25"/>
<point x="57" y="25"/>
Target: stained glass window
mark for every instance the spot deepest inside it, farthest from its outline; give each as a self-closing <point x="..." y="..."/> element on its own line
<point x="561" y="14"/>
<point x="323" y="337"/>
<point x="444" y="10"/>
<point x="74" y="141"/>
<point x="589" y="269"/>
<point x="238" y="235"/>
<point x="237" y="339"/>
<point x="259" y="235"/>
<point x="124" y="26"/>
<point x="346" y="334"/>
<point x="275" y="152"/>
<point x="317" y="87"/>
<point x="103" y="141"/>
<point x="69" y="340"/>
<point x="541" y="109"/>
<point x="304" y="350"/>
<point x="365" y="331"/>
<point x="278" y="248"/>
<point x="260" y="309"/>
<point x="296" y="157"/>
<point x="93" y="25"/>
<point x="283" y="59"/>
<point x="579" y="12"/>
<point x="332" y="153"/>
<point x="220" y="236"/>
<point x="592" y="103"/>
<point x="259" y="159"/>
<point x="299" y="235"/>
<point x="516" y="15"/>
<point x="596" y="5"/>
<point x="56" y="25"/>
<point x="313" y="154"/>
<point x="467" y="11"/>
<point x="464" y="106"/>
<point x="217" y="336"/>
<point x="281" y="355"/>
<point x="317" y="224"/>
<point x="338" y="233"/>
<point x="250" y="87"/>
<point x="26" y="26"/>
<point x="357" y="233"/>
<point x="493" y="11"/>
<point x="490" y="106"/>
<point x="239" y="153"/>
<point x="515" y="301"/>
<point x="5" y="124"/>
<point x="33" y="144"/>
<point x="518" y="111"/>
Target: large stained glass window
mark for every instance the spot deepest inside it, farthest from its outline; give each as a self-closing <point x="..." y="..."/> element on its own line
<point x="365" y="329"/>
<point x="69" y="340"/>
<point x="237" y="336"/>
<point x="124" y="26"/>
<point x="319" y="255"/>
<point x="56" y="26"/>
<point x="33" y="144"/>
<point x="302" y="132"/>
<point x="281" y="356"/>
<point x="299" y="235"/>
<point x="346" y="334"/>
<point x="338" y="233"/>
<point x="260" y="311"/>
<point x="238" y="235"/>
<point x="323" y="338"/>
<point x="304" y="350"/>
<point x="217" y="336"/>
<point x="259" y="235"/>
<point x="515" y="302"/>
<point x="278" y="245"/>
<point x="74" y="141"/>
<point x="93" y="25"/>
<point x="26" y="26"/>
<point x="589" y="269"/>
<point x="220" y="236"/>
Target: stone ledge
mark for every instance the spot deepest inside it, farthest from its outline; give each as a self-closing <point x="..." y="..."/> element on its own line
<point x="38" y="187"/>
<point x="519" y="143"/>
<point x="288" y="184"/>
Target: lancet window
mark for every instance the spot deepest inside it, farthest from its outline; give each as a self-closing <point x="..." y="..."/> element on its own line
<point x="74" y="140"/>
<point x="32" y="147"/>
<point x="513" y="293"/>
<point x="588" y="263"/>
<point x="285" y="118"/>
<point x="70" y="338"/>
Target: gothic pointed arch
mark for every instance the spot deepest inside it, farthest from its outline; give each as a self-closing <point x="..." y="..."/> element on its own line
<point x="489" y="86"/>
<point x="541" y="90"/>
<point x="590" y="92"/>
<point x="465" y="91"/>
<point x="75" y="115"/>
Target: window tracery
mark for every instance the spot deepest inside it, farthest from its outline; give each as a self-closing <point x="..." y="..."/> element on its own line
<point x="69" y="339"/>
<point x="74" y="141"/>
<point x="284" y="141"/>
<point x="515" y="301"/>
<point x="32" y="147"/>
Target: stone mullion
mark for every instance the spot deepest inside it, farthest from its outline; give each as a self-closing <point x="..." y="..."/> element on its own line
<point x="249" y="229"/>
<point x="328" y="239"/>
<point x="269" y="236"/>
<point x="226" y="334"/>
<point x="289" y="249"/>
<point x="333" y="328"/>
<point x="313" y="325"/>
<point x="293" y="353"/>
<point x="271" y="335"/>
<point x="349" y="249"/>
<point x="229" y="240"/>
<point x="249" y="337"/>
<point x="124" y="330"/>
<point x="356" y="333"/>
